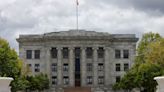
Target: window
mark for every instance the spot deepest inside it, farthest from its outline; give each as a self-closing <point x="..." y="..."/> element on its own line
<point x="101" y="80"/>
<point x="126" y="53"/>
<point x="89" y="52"/>
<point x="37" y="67"/>
<point x="37" y="54"/>
<point x="54" y="80"/>
<point x="118" y="78"/>
<point x="89" y="79"/>
<point x="118" y="67"/>
<point x="65" y="53"/>
<point x="89" y="67"/>
<point x="65" y="67"/>
<point x="117" y="54"/>
<point x="54" y="67"/>
<point x="100" y="52"/>
<point x="66" y="80"/>
<point x="28" y="54"/>
<point x="54" y="53"/>
<point x="126" y="67"/>
<point x="100" y="67"/>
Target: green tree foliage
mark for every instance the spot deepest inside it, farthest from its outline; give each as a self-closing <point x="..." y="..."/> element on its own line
<point x="12" y="66"/>
<point x="148" y="64"/>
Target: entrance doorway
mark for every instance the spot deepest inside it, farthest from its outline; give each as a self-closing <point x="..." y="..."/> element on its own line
<point x="77" y="67"/>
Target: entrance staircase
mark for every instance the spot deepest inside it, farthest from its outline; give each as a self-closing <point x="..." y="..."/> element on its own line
<point x="77" y="89"/>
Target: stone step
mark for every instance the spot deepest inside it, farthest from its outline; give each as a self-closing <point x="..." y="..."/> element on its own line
<point x="77" y="89"/>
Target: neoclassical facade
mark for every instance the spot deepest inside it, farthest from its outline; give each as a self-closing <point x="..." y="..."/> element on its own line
<point x="95" y="60"/>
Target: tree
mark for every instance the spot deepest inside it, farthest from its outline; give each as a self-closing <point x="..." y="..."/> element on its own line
<point x="148" y="64"/>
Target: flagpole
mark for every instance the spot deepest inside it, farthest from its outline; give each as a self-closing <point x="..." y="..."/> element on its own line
<point x="77" y="18"/>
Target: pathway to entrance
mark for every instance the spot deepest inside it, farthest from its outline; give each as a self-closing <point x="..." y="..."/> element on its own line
<point x="77" y="89"/>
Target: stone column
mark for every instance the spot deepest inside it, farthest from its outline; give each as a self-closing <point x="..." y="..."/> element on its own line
<point x="107" y="66"/>
<point x="59" y="64"/>
<point x="71" y="67"/>
<point x="95" y="58"/>
<point x="83" y="67"/>
<point x="47" y="57"/>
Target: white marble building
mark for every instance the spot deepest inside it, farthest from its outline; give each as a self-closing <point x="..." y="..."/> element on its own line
<point x="79" y="58"/>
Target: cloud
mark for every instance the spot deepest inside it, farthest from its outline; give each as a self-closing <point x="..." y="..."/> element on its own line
<point x="113" y="16"/>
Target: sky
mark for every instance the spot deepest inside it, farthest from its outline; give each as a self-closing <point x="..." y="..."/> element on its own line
<point x="112" y="16"/>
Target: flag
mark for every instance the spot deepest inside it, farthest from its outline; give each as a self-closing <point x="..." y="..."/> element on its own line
<point x="77" y="2"/>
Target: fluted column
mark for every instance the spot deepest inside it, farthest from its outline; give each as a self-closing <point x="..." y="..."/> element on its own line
<point x="83" y="67"/>
<point x="47" y="58"/>
<point x="107" y="66"/>
<point x="95" y="75"/>
<point x="59" y="72"/>
<point x="71" y="66"/>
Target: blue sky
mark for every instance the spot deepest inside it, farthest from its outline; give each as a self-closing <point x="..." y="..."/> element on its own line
<point x="112" y="16"/>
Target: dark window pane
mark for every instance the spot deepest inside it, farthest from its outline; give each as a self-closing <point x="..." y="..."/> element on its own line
<point x="54" y="67"/>
<point x="100" y="52"/>
<point x="89" y="52"/>
<point x="101" y="80"/>
<point x="37" y="67"/>
<point x="126" y="67"/>
<point x="126" y="53"/>
<point x="37" y="54"/>
<point x="66" y="80"/>
<point x="118" y="78"/>
<point x="117" y="54"/>
<point x="89" y="79"/>
<point x="54" y="53"/>
<point x="65" y="67"/>
<point x="65" y="53"/>
<point x="54" y="80"/>
<point x="29" y="54"/>
<point x="100" y="67"/>
<point x="118" y="67"/>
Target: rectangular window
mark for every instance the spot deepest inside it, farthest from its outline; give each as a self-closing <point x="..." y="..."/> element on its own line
<point x="37" y="67"/>
<point x="65" y="53"/>
<point x="66" y="80"/>
<point x="100" y="67"/>
<point x="65" y="67"/>
<point x="118" y="67"/>
<point x="54" y="80"/>
<point x="28" y="54"/>
<point x="117" y="54"/>
<point x="89" y="79"/>
<point x="126" y="67"/>
<point x="89" y="66"/>
<point x="100" y="52"/>
<point x="54" y="53"/>
<point x="126" y="53"/>
<point x="37" y="54"/>
<point x="54" y="67"/>
<point x="101" y="80"/>
<point x="89" y="52"/>
<point x="118" y="78"/>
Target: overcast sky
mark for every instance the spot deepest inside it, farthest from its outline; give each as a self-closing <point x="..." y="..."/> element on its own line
<point x="113" y="16"/>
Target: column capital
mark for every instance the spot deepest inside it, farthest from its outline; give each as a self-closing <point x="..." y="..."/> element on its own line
<point x="95" y="48"/>
<point x="59" y="48"/>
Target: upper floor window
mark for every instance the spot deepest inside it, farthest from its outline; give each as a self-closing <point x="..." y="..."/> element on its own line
<point x="118" y="78"/>
<point x="117" y="54"/>
<point x="37" y="67"/>
<point x="126" y="67"/>
<point x="65" y="53"/>
<point x="65" y="67"/>
<point x="37" y="54"/>
<point x="89" y="52"/>
<point x="100" y="67"/>
<point x="66" y="80"/>
<point x="54" y="67"/>
<point x="28" y="54"/>
<point x="54" y="53"/>
<point x="54" y="80"/>
<point x="89" y="66"/>
<point x="118" y="67"/>
<point x="125" y="53"/>
<point x="89" y="79"/>
<point x="101" y="80"/>
<point x="100" y="52"/>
